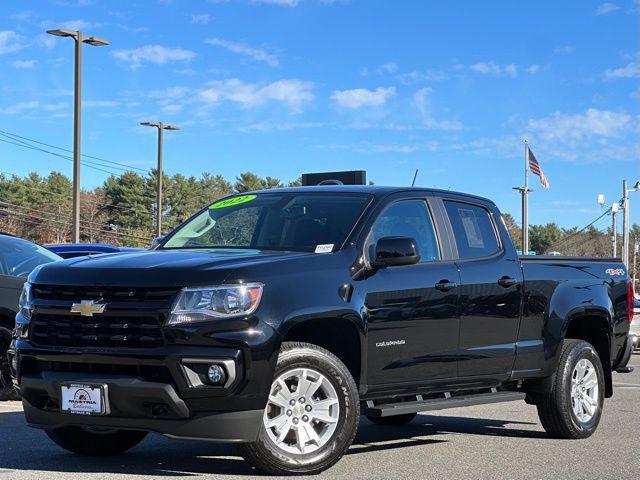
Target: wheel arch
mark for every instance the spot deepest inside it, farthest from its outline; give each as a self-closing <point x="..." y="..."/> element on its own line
<point x="342" y="336"/>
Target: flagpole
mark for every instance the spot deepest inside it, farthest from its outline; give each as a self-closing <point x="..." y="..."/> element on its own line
<point x="525" y="202"/>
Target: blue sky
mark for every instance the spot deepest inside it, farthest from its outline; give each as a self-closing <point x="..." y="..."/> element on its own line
<point x="282" y="87"/>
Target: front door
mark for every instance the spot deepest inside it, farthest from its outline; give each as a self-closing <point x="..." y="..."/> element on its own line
<point x="413" y="325"/>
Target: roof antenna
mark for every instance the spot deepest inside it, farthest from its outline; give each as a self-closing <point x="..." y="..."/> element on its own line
<point x="415" y="175"/>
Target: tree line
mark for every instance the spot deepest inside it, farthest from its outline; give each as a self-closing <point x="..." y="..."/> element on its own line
<point x="122" y="210"/>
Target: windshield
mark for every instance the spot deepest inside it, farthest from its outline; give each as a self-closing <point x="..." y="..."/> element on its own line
<point x="273" y="221"/>
<point x="18" y="257"/>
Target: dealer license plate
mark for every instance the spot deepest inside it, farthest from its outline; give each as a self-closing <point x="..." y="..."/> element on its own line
<point x="82" y="399"/>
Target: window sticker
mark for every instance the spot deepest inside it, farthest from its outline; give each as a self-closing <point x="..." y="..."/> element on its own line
<point x="230" y="202"/>
<point x="324" y="248"/>
<point x="471" y="228"/>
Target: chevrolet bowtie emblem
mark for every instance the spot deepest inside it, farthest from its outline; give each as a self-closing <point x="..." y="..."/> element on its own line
<point x="87" y="308"/>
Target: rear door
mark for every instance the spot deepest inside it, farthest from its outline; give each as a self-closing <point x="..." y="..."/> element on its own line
<point x="413" y="325"/>
<point x="490" y="289"/>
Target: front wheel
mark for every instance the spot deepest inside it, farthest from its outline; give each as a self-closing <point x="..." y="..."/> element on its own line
<point x="311" y="415"/>
<point x="7" y="392"/>
<point x="574" y="406"/>
<point x="96" y="442"/>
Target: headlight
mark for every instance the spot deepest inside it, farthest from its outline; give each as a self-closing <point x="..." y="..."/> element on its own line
<point x="25" y="301"/>
<point x="224" y="301"/>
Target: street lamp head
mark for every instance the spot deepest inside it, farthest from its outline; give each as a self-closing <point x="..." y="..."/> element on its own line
<point x="95" y="41"/>
<point x="636" y="187"/>
<point x="601" y="199"/>
<point x="61" y="32"/>
<point x="171" y="127"/>
<point x="150" y="124"/>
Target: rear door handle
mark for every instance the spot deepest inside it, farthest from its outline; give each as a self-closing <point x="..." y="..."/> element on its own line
<point x="445" y="285"/>
<point x="507" y="282"/>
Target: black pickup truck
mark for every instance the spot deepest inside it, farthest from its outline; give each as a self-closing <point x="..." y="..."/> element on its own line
<point x="274" y="319"/>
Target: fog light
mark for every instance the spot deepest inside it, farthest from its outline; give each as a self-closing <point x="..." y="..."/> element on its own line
<point x="216" y="374"/>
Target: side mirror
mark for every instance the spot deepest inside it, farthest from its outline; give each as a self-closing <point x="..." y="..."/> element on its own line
<point x="396" y="252"/>
<point x="155" y="242"/>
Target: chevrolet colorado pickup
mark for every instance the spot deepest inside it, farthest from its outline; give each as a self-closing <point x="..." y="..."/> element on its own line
<point x="274" y="319"/>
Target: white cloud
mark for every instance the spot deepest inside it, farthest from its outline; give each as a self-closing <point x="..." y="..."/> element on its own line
<point x="20" y="107"/>
<point x="564" y="50"/>
<point x="285" y="3"/>
<point x="533" y="68"/>
<point x="200" y="18"/>
<point x="495" y="69"/>
<point x="100" y="103"/>
<point x="246" y="50"/>
<point x="361" y="97"/>
<point x="421" y="100"/>
<point x="572" y="128"/>
<point x="46" y="41"/>
<point x="630" y="71"/>
<point x="76" y="24"/>
<point x="153" y="54"/>
<point x="10" y="42"/>
<point x="390" y="67"/>
<point x="170" y="93"/>
<point x="52" y="107"/>
<point x="411" y="78"/>
<point x="607" y="7"/>
<point x="23" y="64"/>
<point x="292" y="92"/>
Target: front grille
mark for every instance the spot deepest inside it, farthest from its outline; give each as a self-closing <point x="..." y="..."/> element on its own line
<point x="98" y="331"/>
<point x="103" y="294"/>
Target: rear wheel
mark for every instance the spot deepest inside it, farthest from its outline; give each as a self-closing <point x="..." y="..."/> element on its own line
<point x="574" y="406"/>
<point x="95" y="442"/>
<point x="311" y="416"/>
<point x="394" y="420"/>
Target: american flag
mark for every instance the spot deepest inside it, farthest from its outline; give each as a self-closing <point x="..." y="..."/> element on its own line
<point x="534" y="166"/>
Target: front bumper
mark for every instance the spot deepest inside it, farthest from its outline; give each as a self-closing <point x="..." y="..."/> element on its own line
<point x="150" y="389"/>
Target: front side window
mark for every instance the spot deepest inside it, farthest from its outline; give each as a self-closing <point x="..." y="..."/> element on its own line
<point x="407" y="218"/>
<point x="473" y="230"/>
<point x="274" y="221"/>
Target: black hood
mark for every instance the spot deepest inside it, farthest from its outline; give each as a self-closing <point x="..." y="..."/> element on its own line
<point x="157" y="267"/>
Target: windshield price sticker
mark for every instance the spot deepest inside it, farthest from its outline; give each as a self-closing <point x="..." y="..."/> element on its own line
<point x="230" y="202"/>
<point x="324" y="248"/>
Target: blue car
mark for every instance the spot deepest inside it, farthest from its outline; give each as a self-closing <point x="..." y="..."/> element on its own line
<point x="72" y="250"/>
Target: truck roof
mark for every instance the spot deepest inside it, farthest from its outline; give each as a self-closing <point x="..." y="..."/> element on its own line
<point x="377" y="190"/>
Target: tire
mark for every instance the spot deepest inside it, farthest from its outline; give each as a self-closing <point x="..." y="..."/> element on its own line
<point x="7" y="392"/>
<point x="556" y="408"/>
<point x="323" y="375"/>
<point x="394" y="420"/>
<point x="95" y="442"/>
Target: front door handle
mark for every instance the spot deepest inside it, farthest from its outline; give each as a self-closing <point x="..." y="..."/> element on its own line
<point x="507" y="282"/>
<point x="445" y="285"/>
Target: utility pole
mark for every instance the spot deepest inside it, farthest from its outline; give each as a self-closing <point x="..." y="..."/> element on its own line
<point x="77" y="110"/>
<point x="625" y="219"/>
<point x="160" y="126"/>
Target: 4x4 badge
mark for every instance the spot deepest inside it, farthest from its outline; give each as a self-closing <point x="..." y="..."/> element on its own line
<point x="87" y="308"/>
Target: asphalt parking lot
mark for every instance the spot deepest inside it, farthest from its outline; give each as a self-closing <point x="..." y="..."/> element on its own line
<point x="492" y="441"/>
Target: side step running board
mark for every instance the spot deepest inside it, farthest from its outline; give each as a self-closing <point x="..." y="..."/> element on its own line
<point x="400" y="408"/>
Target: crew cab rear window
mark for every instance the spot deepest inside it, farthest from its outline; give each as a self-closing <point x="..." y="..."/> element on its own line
<point x="473" y="230"/>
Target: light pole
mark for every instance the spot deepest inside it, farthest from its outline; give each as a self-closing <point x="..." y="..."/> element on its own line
<point x="160" y="126"/>
<point x="625" y="219"/>
<point x="77" y="108"/>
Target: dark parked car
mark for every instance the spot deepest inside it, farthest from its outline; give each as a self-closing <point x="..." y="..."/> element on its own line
<point x="17" y="259"/>
<point x="274" y="319"/>
<point x="72" y="250"/>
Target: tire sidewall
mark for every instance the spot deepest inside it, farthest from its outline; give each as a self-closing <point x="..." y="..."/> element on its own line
<point x="338" y="375"/>
<point x="583" y="351"/>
